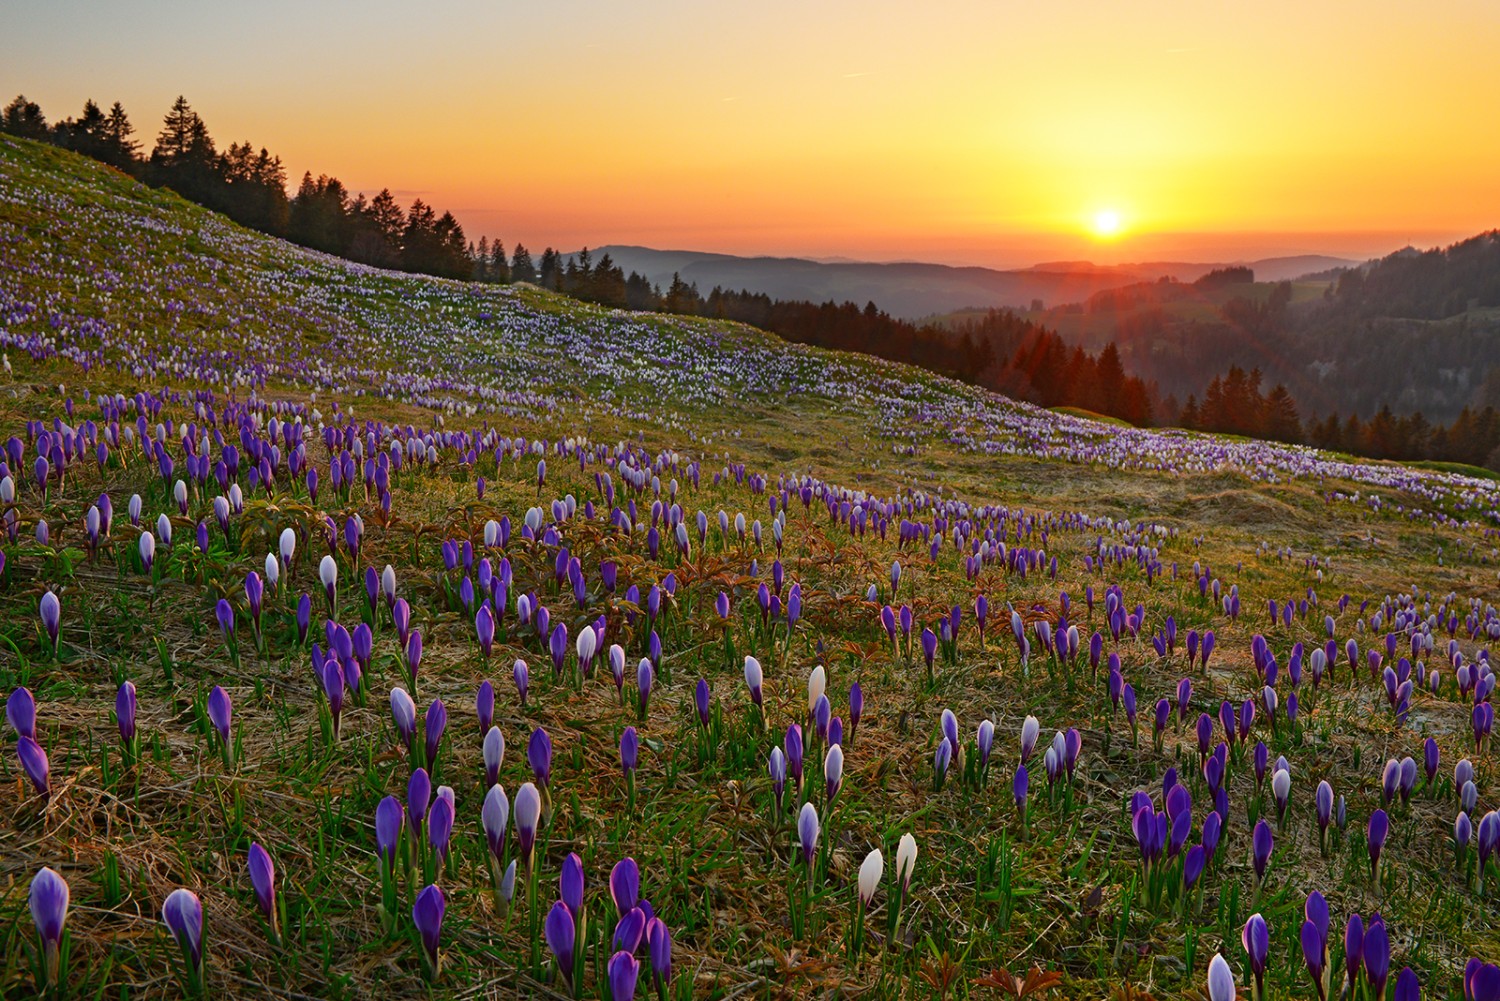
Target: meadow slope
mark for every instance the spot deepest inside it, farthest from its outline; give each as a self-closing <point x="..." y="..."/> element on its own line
<point x="255" y="476"/>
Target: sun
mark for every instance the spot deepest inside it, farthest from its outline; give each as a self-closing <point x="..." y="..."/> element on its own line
<point x="1107" y="224"/>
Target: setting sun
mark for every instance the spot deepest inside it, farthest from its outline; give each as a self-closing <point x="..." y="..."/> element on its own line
<point x="1107" y="224"/>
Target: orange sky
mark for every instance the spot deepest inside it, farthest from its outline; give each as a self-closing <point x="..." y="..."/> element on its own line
<point x="983" y="132"/>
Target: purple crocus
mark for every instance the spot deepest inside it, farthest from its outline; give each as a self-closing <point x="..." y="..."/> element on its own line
<point x="427" y="914"/>
<point x="522" y="678"/>
<point x="263" y="882"/>
<point x="1256" y="938"/>
<point x="659" y="946"/>
<point x="1379" y="829"/>
<point x="220" y="713"/>
<point x="559" y="931"/>
<point x="528" y="816"/>
<point x="20" y="712"/>
<point x="434" y="722"/>
<point x="404" y="715"/>
<point x="539" y="755"/>
<point x="50" y="612"/>
<point x="701" y="700"/>
<point x="418" y="794"/>
<point x="807" y="834"/>
<point x="630" y="750"/>
<point x="484" y="705"/>
<point x="623" y="971"/>
<point x="389" y="820"/>
<point x="413" y="656"/>
<point x="1261" y="843"/>
<point x="49" y="912"/>
<point x="182" y="913"/>
<point x="1376" y="953"/>
<point x="625" y="886"/>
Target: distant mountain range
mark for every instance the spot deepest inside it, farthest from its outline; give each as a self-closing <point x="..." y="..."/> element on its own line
<point x="915" y="290"/>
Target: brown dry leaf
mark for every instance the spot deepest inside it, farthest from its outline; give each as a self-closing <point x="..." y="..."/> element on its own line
<point x="1035" y="982"/>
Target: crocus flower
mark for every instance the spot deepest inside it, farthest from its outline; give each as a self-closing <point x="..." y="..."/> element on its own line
<point x="522" y="678"/>
<point x="870" y="872"/>
<point x="1354" y="943"/>
<point x="494" y="755"/>
<point x="1376" y="952"/>
<point x="1408" y="988"/>
<point x="427" y="914"/>
<point x="404" y="715"/>
<point x="220" y="712"/>
<point x="528" y="814"/>
<point x="484" y="705"/>
<point x="906" y="861"/>
<point x="777" y="769"/>
<point x="328" y="573"/>
<point x="1379" y="829"/>
<point x="807" y="833"/>
<point x="701" y="700"/>
<point x="495" y="815"/>
<point x="1315" y="954"/>
<point x="559" y="931"/>
<point x="49" y="912"/>
<point x="440" y="825"/>
<point x="1261" y="843"/>
<point x="20" y="712"/>
<point x="1256" y="938"/>
<point x="1030" y="730"/>
<point x="833" y="772"/>
<point x="263" y="882"/>
<point x="1220" y="980"/>
<point x="623" y="970"/>
<point x="418" y="793"/>
<point x="433" y="723"/>
<point x="389" y="820"/>
<point x="125" y="710"/>
<point x="625" y="886"/>
<point x="539" y="755"/>
<point x="630" y="749"/>
<point x="182" y="913"/>
<point x="659" y="945"/>
<point x="753" y="679"/>
<point x="413" y="656"/>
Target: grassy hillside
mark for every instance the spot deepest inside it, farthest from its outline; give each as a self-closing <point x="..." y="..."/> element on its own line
<point x="494" y="443"/>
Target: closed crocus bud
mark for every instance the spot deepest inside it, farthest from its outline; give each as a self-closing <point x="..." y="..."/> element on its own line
<point x="528" y="814"/>
<point x="495" y="815"/>
<point x="630" y="750"/>
<point x="833" y="772"/>
<point x="539" y="755"/>
<point x="1221" y="985"/>
<point x="494" y="754"/>
<point x="701" y="701"/>
<point x="182" y="913"/>
<point x="390" y="818"/>
<point x="49" y="912"/>
<point x="870" y="872"/>
<point x="625" y="886"/>
<point x="147" y="549"/>
<point x="1376" y="952"/>
<point x="817" y="683"/>
<point x="623" y="970"/>
<point x="404" y="715"/>
<point x="906" y="861"/>
<point x="1031" y="729"/>
<point x="753" y="679"/>
<point x="20" y="712"/>
<point x="659" y="945"/>
<point x="220" y="712"/>
<point x="50" y="612"/>
<point x="807" y="832"/>
<point x="522" y="678"/>
<point x="427" y="915"/>
<point x="559" y="931"/>
<point x="1408" y="988"/>
<point x="263" y="881"/>
<point x="434" y="722"/>
<point x="985" y="741"/>
<point x="1379" y="829"/>
<point x="328" y="573"/>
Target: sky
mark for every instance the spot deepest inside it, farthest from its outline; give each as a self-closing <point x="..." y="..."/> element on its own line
<point x="994" y="132"/>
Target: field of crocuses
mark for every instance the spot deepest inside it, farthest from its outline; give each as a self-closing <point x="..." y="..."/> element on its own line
<point x="369" y="635"/>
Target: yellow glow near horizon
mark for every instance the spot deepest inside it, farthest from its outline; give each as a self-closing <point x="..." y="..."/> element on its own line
<point x="1107" y="224"/>
<point x="876" y="130"/>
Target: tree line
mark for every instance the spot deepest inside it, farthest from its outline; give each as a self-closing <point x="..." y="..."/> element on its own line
<point x="998" y="351"/>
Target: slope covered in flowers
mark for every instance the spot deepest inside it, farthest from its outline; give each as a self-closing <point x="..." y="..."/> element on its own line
<point x="428" y="637"/>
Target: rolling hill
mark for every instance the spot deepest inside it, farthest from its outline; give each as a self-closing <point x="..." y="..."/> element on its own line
<point x="365" y="635"/>
<point x="916" y="290"/>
